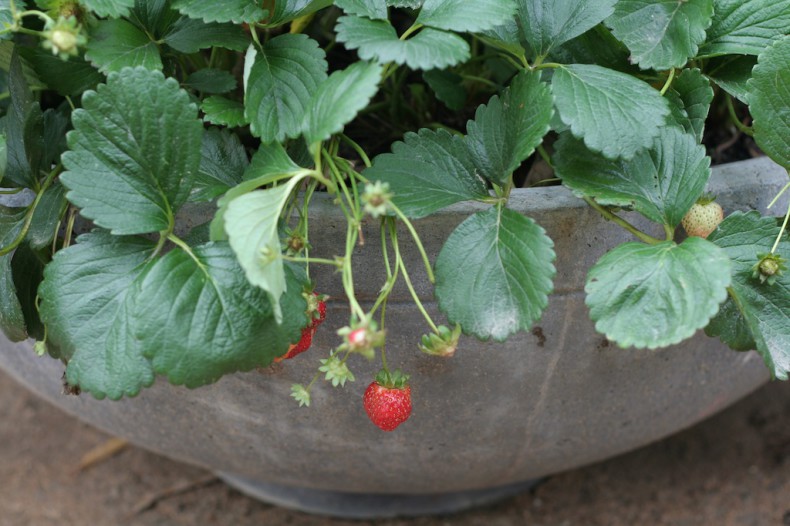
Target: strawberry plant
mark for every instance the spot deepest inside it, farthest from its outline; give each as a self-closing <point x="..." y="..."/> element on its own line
<point x="118" y="114"/>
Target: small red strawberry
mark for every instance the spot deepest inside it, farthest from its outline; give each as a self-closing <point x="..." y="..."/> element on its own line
<point x="316" y="313"/>
<point x="703" y="217"/>
<point x="387" y="401"/>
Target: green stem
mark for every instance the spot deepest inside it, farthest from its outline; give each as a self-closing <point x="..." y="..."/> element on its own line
<point x="348" y="277"/>
<point x="407" y="280"/>
<point x="782" y="191"/>
<point x="417" y="241"/>
<point x="409" y="32"/>
<point x="30" y="213"/>
<point x="622" y="222"/>
<point x="735" y="120"/>
<point x="392" y="278"/>
<point x="11" y="192"/>
<point x="781" y="233"/>
<point x="547" y="65"/>
<point x="668" y="83"/>
<point x="357" y="148"/>
<point x="317" y="261"/>
<point x="69" y="227"/>
<point x="669" y="231"/>
<point x="186" y="248"/>
<point x="481" y="80"/>
<point x="545" y="156"/>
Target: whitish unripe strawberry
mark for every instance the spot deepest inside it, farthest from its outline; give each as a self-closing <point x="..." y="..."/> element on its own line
<point x="703" y="218"/>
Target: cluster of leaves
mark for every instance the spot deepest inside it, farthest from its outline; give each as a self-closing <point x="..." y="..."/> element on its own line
<point x="234" y="102"/>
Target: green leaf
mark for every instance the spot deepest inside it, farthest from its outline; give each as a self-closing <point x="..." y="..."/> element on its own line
<point x="85" y="305"/>
<point x="188" y="35"/>
<point x="661" y="183"/>
<point x="24" y="130"/>
<point x="109" y="8"/>
<point x="251" y="222"/>
<point x="597" y="46"/>
<point x="222" y="164"/>
<point x="408" y="4"/>
<point x="282" y="81"/>
<point x="12" y="320"/>
<point x="650" y="296"/>
<point x="745" y="28"/>
<point x="148" y="153"/>
<point x="447" y="87"/>
<point x="47" y="216"/>
<point x="236" y="11"/>
<point x="375" y="9"/>
<point x="287" y="10"/>
<point x="507" y="37"/>
<point x="211" y="80"/>
<point x="27" y="269"/>
<point x="615" y="113"/>
<point x="338" y="100"/>
<point x="661" y="34"/>
<point x="223" y="112"/>
<point x="68" y="77"/>
<point x="506" y="131"/>
<point x="731" y="327"/>
<point x="377" y="40"/>
<point x="116" y="44"/>
<point x="690" y="97"/>
<point x="769" y="101"/>
<point x="198" y="318"/>
<point x="6" y="17"/>
<point x="428" y="172"/>
<point x="494" y="274"/>
<point x="731" y="73"/>
<point x="549" y="23"/>
<point x="464" y="16"/>
<point x="765" y="308"/>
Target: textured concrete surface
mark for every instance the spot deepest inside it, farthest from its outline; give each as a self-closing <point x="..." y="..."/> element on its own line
<point x="732" y="470"/>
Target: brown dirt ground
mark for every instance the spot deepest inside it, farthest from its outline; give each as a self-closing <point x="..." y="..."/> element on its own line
<point x="733" y="469"/>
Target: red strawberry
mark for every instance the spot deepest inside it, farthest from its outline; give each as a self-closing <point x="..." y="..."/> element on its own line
<point x="387" y="401"/>
<point x="316" y="312"/>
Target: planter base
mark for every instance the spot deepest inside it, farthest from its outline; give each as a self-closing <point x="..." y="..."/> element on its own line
<point x="372" y="506"/>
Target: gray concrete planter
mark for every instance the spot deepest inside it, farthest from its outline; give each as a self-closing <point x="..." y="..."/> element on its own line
<point x="492" y="416"/>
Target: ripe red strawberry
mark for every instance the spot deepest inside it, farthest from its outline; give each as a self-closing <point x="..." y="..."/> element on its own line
<point x="703" y="218"/>
<point x="316" y="312"/>
<point x="387" y="401"/>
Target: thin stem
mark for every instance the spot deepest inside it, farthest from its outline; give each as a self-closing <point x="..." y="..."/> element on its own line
<point x="407" y="280"/>
<point x="481" y="80"/>
<point x="668" y="83"/>
<point x="357" y="148"/>
<point x="417" y="241"/>
<point x="30" y="213"/>
<point x="413" y="29"/>
<point x="545" y="156"/>
<point x="622" y="222"/>
<point x="782" y="191"/>
<point x="669" y="231"/>
<point x="69" y="227"/>
<point x="317" y="261"/>
<point x="781" y="232"/>
<point x="186" y="248"/>
<point x="735" y="120"/>
<point x="348" y="278"/>
<point x="11" y="192"/>
<point x="547" y="65"/>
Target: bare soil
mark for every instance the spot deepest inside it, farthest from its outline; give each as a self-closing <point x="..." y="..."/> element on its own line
<point x="733" y="469"/>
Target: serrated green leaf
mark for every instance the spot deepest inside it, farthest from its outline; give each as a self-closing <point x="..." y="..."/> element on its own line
<point x="597" y="46"/>
<point x="12" y="320"/>
<point x="507" y="130"/>
<point x="109" y="8"/>
<point x="731" y="74"/>
<point x="769" y="101"/>
<point x="507" y="36"/>
<point x="408" y="4"/>
<point x="690" y="97"/>
<point x="745" y="28"/>
<point x="115" y="44"/>
<point x="661" y="34"/>
<point x="661" y="183"/>
<point x="494" y="274"/>
<point x="731" y="327"/>
<point x="236" y="11"/>
<point x="68" y="77"/>
<point x="338" y="100"/>
<point x="223" y="112"/>
<point x="251" y="222"/>
<point x="24" y="130"/>
<point x="765" y="308"/>
<point x="464" y="16"/>
<point x="614" y="113"/>
<point x="549" y="23"/>
<point x="198" y="319"/>
<point x="222" y="163"/>
<point x="188" y="35"/>
<point x="282" y="82"/>
<point x="377" y="40"/>
<point x="447" y="87"/>
<point x="287" y="10"/>
<point x="84" y="303"/>
<point x="149" y="153"/>
<point x="650" y="296"/>
<point x="47" y="216"/>
<point x="428" y="172"/>
<point x="211" y="80"/>
<point x="375" y="9"/>
<point x="6" y="17"/>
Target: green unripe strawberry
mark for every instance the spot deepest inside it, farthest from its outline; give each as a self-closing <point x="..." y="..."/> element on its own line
<point x="702" y="218"/>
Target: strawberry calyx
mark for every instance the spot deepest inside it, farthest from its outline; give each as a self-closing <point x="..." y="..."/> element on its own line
<point x="442" y="343"/>
<point x="769" y="268"/>
<point x="392" y="380"/>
